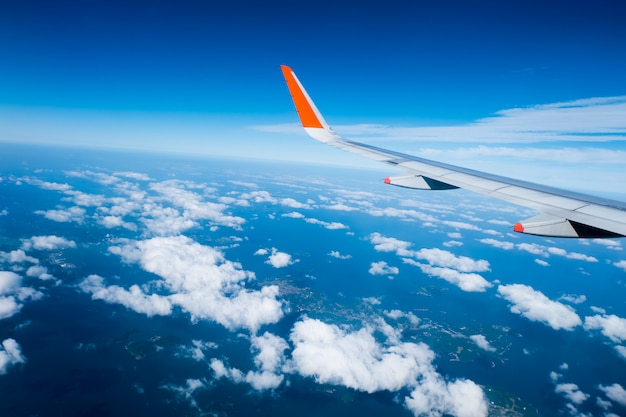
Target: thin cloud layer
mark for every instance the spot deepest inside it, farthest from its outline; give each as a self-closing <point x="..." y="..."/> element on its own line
<point x="598" y="119"/>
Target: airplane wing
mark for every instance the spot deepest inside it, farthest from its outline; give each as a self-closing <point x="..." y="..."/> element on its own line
<point x="565" y="213"/>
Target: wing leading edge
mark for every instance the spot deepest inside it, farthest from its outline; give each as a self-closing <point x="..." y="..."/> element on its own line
<point x="565" y="213"/>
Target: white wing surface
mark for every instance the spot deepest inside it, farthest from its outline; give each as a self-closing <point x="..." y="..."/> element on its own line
<point x="565" y="213"/>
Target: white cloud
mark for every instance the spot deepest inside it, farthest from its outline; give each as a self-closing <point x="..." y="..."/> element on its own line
<point x="615" y="393"/>
<point x="545" y="251"/>
<point x="340" y="207"/>
<point x="133" y="175"/>
<point x="466" y="281"/>
<point x="328" y="225"/>
<point x="541" y="262"/>
<point x="620" y="264"/>
<point x="133" y="298"/>
<point x="571" y="392"/>
<point x="10" y="354"/>
<point x="46" y="185"/>
<point x="18" y="256"/>
<point x="460" y="225"/>
<point x="533" y="248"/>
<point x="482" y="342"/>
<point x="609" y="243"/>
<point x="198" y="279"/>
<point x="50" y="242"/>
<point x="571" y="255"/>
<point x="193" y="205"/>
<point x="390" y="244"/>
<point x="441" y="263"/>
<point x="591" y="119"/>
<point x="381" y="268"/>
<point x="573" y="298"/>
<point x="290" y="202"/>
<point x="402" y="214"/>
<point x="356" y="360"/>
<point x="398" y="314"/>
<point x="535" y="306"/>
<point x="338" y="255"/>
<point x="39" y="271"/>
<point x="269" y="359"/>
<point x="197" y="348"/>
<point x="13" y="295"/>
<point x="186" y="392"/>
<point x="8" y="307"/>
<point x="611" y="326"/>
<point x="621" y="351"/>
<point x="443" y="258"/>
<point x="111" y="222"/>
<point x="72" y="214"/>
<point x="294" y="215"/>
<point x="277" y="259"/>
<point x="434" y="398"/>
<point x="497" y="243"/>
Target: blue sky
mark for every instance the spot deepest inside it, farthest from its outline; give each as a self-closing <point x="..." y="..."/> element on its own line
<point x="203" y="77"/>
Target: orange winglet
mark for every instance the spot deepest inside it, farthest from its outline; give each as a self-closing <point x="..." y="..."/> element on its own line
<point x="519" y="228"/>
<point x="308" y="118"/>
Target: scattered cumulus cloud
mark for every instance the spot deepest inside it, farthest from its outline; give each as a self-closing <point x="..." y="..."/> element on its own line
<point x="13" y="295"/>
<point x="535" y="306"/>
<point x="443" y="258"/>
<point x="458" y="270"/>
<point x="276" y="258"/>
<point x="356" y="360"/>
<point x="72" y="214"/>
<point x="50" y="242"/>
<point x="381" y="268"/>
<point x="193" y="277"/>
<point x="497" y="243"/>
<point x="611" y="326"/>
<point x="482" y="342"/>
<point x="338" y="255"/>
<point x="621" y="265"/>
<point x="186" y="392"/>
<point x="294" y="215"/>
<point x="290" y="202"/>
<point x="269" y="358"/>
<point x="10" y="354"/>
<point x="615" y="392"/>
<point x="390" y="244"/>
<point x="571" y="392"/>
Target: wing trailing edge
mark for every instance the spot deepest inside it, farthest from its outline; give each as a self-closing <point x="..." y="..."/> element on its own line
<point x="566" y="213"/>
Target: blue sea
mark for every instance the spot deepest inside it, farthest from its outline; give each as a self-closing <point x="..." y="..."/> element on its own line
<point x="86" y="356"/>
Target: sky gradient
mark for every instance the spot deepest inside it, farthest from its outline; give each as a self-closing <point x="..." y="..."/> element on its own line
<point x="204" y="77"/>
